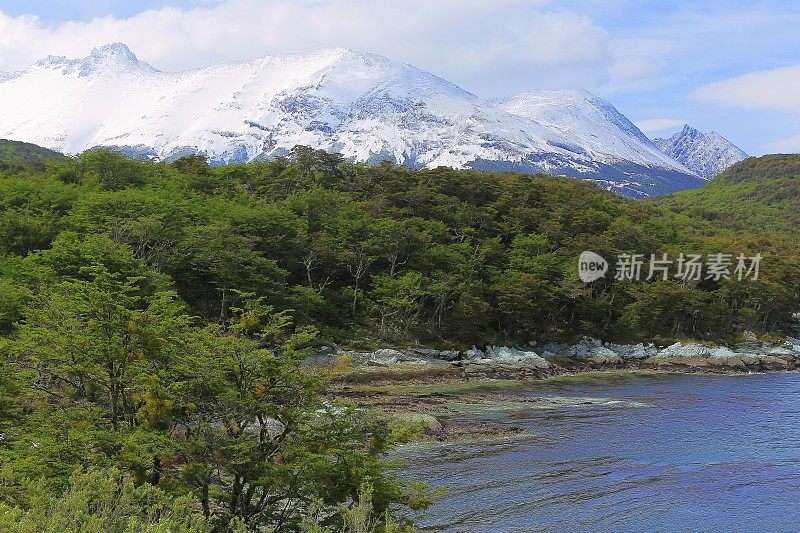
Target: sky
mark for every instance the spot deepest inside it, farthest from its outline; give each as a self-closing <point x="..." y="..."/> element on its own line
<point x="732" y="66"/>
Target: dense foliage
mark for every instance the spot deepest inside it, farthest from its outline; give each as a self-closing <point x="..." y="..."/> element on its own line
<point x="759" y="194"/>
<point x="154" y="316"/>
<point x="121" y="409"/>
<point x="16" y="156"/>
<point x="370" y="255"/>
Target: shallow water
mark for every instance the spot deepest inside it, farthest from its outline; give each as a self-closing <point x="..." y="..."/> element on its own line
<point x="667" y="453"/>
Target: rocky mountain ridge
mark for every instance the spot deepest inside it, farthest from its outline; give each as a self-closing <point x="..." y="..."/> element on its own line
<point x="367" y="107"/>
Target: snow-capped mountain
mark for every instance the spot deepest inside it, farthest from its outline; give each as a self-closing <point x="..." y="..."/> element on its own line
<point x="706" y="154"/>
<point x="366" y="107"/>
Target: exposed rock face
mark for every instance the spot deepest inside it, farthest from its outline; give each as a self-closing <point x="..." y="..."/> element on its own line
<point x="384" y="357"/>
<point x="557" y="351"/>
<point x="445" y="355"/>
<point x="706" y="154"/>
<point x="473" y="354"/>
<point x="749" y="342"/>
<point x="793" y="344"/>
<point x="682" y="354"/>
<point x="593" y="350"/>
<point x="724" y="356"/>
<point x="363" y="106"/>
<point x="634" y="351"/>
<point x="502" y="354"/>
<point x="592" y="353"/>
<point x="750" y="353"/>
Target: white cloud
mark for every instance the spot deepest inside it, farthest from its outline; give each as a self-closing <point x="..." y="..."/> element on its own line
<point x="479" y="44"/>
<point x="774" y="90"/>
<point x="629" y="67"/>
<point x="659" y="124"/>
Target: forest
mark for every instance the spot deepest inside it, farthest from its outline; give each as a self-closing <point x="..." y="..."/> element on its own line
<point x="154" y="317"/>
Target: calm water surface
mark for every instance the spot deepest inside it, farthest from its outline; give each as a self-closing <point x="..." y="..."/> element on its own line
<point x="666" y="453"/>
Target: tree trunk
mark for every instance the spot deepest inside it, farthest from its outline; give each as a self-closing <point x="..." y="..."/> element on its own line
<point x="223" y="308"/>
<point x="204" y="500"/>
<point x="355" y="298"/>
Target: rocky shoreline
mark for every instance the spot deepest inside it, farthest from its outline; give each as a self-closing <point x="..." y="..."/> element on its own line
<point x="432" y="389"/>
<point x="589" y="354"/>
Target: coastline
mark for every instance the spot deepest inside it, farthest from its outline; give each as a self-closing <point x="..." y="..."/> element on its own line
<point x="658" y="432"/>
<point x="427" y="402"/>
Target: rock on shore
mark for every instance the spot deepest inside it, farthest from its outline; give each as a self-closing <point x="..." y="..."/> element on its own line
<point x="750" y="354"/>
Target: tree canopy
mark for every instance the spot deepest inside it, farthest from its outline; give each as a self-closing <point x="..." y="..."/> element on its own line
<point x="154" y="317"/>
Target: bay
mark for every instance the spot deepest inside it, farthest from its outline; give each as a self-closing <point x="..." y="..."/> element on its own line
<point x="661" y="453"/>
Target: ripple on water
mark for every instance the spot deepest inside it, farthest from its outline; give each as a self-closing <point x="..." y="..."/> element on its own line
<point x="659" y="453"/>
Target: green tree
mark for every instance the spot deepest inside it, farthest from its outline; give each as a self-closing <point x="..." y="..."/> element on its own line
<point x="399" y="300"/>
<point x="215" y="260"/>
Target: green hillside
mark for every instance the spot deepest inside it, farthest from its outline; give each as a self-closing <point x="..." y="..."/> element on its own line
<point x="21" y="156"/>
<point x="155" y="318"/>
<point x="757" y="194"/>
<point x="376" y="255"/>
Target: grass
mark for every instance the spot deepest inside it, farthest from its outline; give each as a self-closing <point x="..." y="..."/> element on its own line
<point x="445" y="387"/>
<point x="394" y="373"/>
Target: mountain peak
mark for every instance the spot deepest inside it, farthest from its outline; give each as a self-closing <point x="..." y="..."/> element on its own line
<point x="367" y="107"/>
<point x="577" y="112"/>
<point x="689" y="130"/>
<point x="113" y="57"/>
<point x="115" y="51"/>
<point x="707" y="154"/>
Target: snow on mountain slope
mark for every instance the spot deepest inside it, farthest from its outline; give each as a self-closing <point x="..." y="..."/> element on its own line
<point x="361" y="105"/>
<point x="591" y="123"/>
<point x="706" y="154"/>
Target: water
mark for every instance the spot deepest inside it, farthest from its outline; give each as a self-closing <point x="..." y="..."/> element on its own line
<point x="668" y="453"/>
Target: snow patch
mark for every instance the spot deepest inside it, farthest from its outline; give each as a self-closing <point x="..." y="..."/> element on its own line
<point x="707" y="154"/>
<point x="364" y="106"/>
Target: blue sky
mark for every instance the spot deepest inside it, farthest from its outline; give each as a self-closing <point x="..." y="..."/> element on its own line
<point x="59" y="11"/>
<point x="730" y="66"/>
